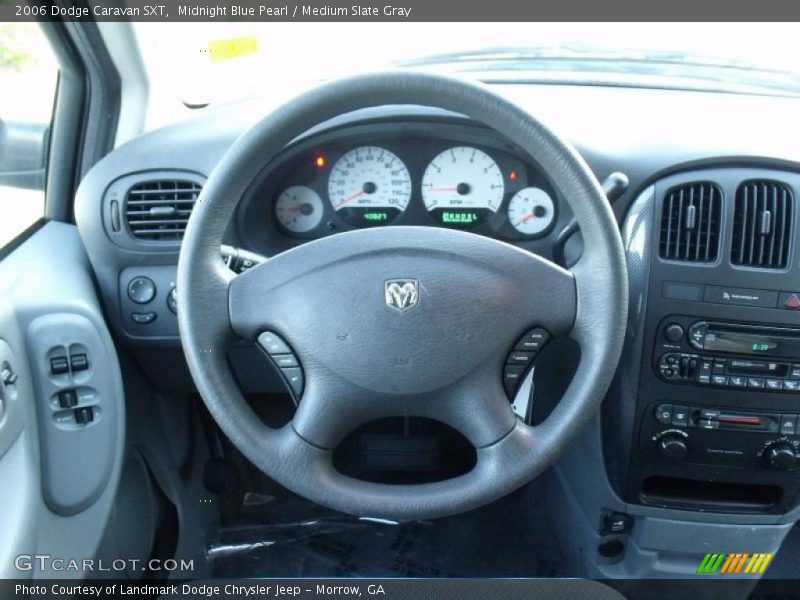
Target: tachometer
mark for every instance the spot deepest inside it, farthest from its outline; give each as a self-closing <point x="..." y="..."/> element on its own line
<point x="369" y="186"/>
<point x="299" y="209"/>
<point x="462" y="186"/>
<point x="531" y="211"/>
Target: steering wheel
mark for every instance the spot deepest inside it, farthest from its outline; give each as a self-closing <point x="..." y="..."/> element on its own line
<point x="472" y="297"/>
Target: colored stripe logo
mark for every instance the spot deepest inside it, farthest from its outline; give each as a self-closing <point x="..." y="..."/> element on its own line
<point x="734" y="563"/>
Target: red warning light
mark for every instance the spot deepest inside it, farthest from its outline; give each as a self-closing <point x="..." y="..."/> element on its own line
<point x="320" y="161"/>
<point x="512" y="175"/>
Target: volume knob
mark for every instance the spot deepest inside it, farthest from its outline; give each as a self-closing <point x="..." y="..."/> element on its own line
<point x="780" y="456"/>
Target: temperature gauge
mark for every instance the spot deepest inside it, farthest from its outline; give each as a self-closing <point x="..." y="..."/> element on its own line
<point x="531" y="211"/>
<point x="299" y="209"/>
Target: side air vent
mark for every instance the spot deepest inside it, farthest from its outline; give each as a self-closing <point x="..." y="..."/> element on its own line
<point x="762" y="225"/>
<point x="159" y="210"/>
<point x="690" y="223"/>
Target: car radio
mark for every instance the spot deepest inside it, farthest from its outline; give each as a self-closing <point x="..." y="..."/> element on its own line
<point x="729" y="355"/>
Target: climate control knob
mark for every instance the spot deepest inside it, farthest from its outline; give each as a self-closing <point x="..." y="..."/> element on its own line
<point x="673" y="447"/>
<point x="780" y="456"/>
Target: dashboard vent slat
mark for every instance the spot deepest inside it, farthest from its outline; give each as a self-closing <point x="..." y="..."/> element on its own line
<point x="762" y="222"/>
<point x="690" y="223"/>
<point x="159" y="210"/>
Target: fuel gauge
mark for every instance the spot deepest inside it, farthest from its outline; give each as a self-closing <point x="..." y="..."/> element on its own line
<point x="299" y="209"/>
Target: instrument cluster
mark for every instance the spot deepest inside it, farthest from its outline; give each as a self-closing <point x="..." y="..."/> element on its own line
<point x="467" y="180"/>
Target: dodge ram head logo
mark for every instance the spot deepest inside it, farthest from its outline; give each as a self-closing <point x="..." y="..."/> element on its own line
<point x="401" y="294"/>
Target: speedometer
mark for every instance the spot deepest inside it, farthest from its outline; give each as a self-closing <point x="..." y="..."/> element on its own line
<point x="369" y="186"/>
<point x="462" y="186"/>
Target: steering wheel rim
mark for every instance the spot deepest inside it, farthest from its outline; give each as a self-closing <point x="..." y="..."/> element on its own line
<point x="216" y="309"/>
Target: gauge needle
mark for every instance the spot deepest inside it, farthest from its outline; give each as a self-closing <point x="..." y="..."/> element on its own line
<point x="442" y="189"/>
<point x="524" y="218"/>
<point x="350" y="197"/>
<point x="292" y="209"/>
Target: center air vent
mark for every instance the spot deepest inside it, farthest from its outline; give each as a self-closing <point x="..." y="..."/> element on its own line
<point x="159" y="210"/>
<point x="762" y="225"/>
<point x="690" y="223"/>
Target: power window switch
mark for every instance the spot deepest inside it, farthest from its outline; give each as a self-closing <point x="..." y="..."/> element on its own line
<point x="67" y="399"/>
<point x="84" y="415"/>
<point x="79" y="362"/>
<point x="59" y="365"/>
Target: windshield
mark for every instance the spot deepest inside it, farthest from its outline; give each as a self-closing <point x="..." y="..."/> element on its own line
<point x="207" y="63"/>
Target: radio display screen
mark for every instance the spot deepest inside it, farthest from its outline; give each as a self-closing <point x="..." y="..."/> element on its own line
<point x="764" y="341"/>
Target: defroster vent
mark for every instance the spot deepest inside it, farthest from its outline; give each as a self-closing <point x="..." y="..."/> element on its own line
<point x="159" y="210"/>
<point x="690" y="223"/>
<point x="762" y="225"/>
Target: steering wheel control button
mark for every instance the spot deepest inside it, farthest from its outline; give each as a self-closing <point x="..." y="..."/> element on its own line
<point x="512" y="376"/>
<point x="78" y="362"/>
<point x="67" y="399"/>
<point x="273" y="343"/>
<point x="143" y="318"/>
<point x="295" y="378"/>
<point x="84" y="415"/>
<point x="172" y="301"/>
<point x="533" y="341"/>
<point x="141" y="290"/>
<point x="520" y="358"/>
<point x="59" y="365"/>
<point x="285" y="361"/>
<point x="664" y="414"/>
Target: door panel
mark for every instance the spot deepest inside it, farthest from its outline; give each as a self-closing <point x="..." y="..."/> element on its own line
<point x="62" y="433"/>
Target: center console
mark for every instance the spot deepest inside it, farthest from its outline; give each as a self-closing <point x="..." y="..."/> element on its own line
<point x="717" y="393"/>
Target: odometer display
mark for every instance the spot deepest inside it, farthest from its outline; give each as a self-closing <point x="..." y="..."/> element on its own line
<point x="462" y="187"/>
<point x="369" y="186"/>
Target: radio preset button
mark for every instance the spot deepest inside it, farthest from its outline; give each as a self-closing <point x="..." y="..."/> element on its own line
<point x="738" y="381"/>
<point x="794" y="373"/>
<point x="791" y="386"/>
<point x="719" y="367"/>
<point x="756" y="382"/>
<point x="774" y="384"/>
<point x="719" y="380"/>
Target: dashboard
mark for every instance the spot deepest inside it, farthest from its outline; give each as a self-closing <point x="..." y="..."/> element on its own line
<point x="702" y="170"/>
<point x="401" y="172"/>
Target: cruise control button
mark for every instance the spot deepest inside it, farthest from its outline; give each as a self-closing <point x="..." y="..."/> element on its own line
<point x="295" y="378"/>
<point x="755" y="382"/>
<point x="273" y="343"/>
<point x="663" y="414"/>
<point x="520" y="358"/>
<point x="788" y="424"/>
<point x="285" y="361"/>
<point x="512" y="375"/>
<point x="774" y="384"/>
<point x="534" y="340"/>
<point x="680" y="416"/>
